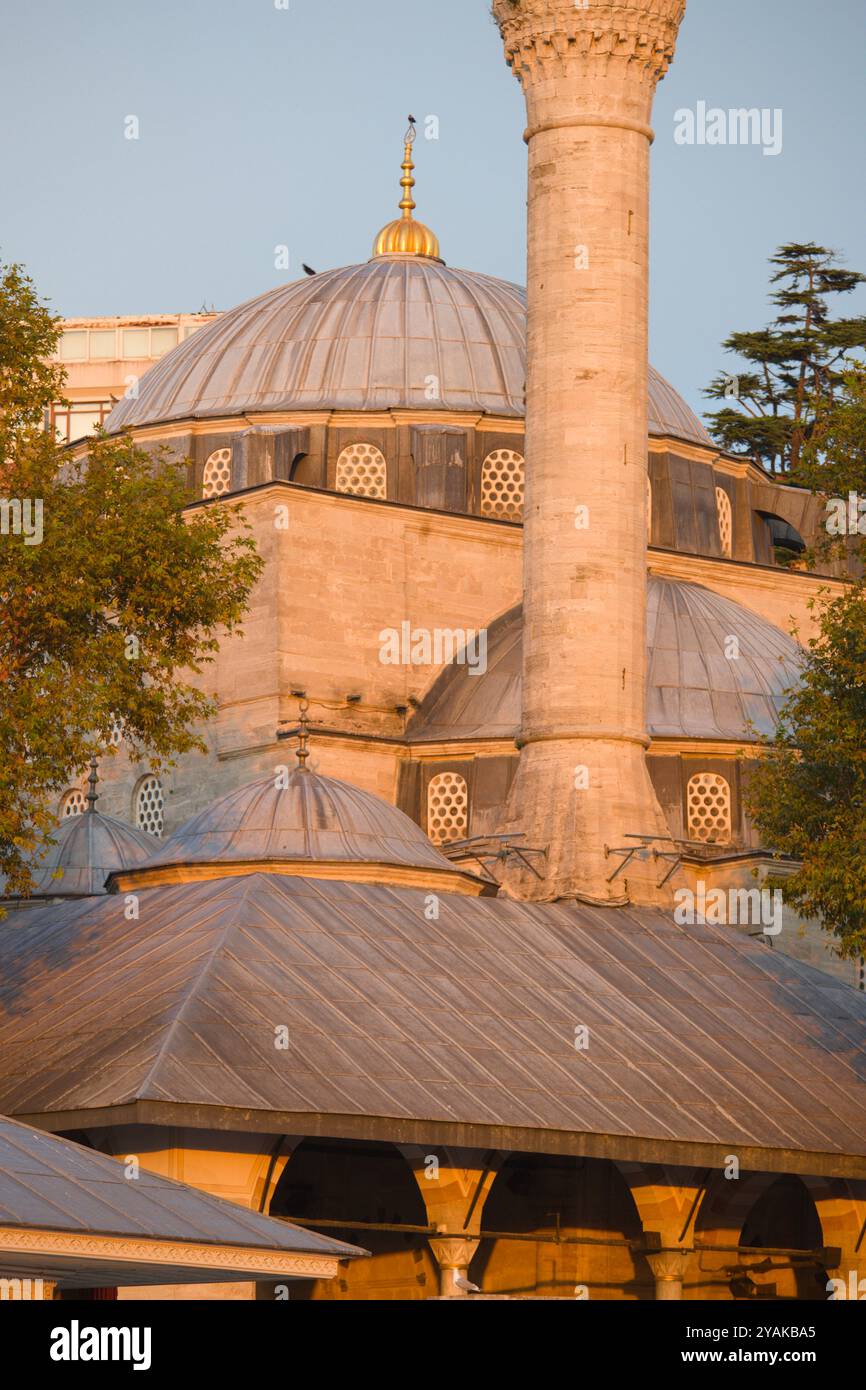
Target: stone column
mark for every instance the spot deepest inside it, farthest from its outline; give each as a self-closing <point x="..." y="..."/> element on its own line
<point x="669" y="1271"/>
<point x="455" y="1184"/>
<point x="589" y="75"/>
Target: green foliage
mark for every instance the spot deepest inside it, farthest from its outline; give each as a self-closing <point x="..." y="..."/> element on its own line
<point x="807" y="794"/>
<point x="118" y="609"/>
<point x="795" y="368"/>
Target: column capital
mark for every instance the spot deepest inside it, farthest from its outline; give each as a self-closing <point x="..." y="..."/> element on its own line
<point x="550" y="37"/>
<point x="668" y="1266"/>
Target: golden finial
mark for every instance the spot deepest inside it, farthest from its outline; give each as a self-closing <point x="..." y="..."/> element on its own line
<point x="406" y="236"/>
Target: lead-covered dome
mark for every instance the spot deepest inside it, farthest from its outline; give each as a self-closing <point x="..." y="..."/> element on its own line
<point x="398" y="332"/>
<point x="87" y="848"/>
<point x="302" y="824"/>
<point x="715" y="670"/>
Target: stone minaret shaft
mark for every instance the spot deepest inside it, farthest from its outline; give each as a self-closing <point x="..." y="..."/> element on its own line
<point x="589" y="75"/>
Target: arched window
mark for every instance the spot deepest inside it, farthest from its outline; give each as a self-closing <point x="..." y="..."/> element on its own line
<point x="217" y="478"/>
<point x="73" y="804"/>
<point x="115" y="738"/>
<point x="726" y="522"/>
<point x="148" y="805"/>
<point x="709" y="805"/>
<point x="649" y="509"/>
<point x="502" y="485"/>
<point x="362" y="471"/>
<point x="447" y="807"/>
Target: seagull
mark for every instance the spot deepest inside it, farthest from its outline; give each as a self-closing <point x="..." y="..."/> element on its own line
<point x="464" y="1284"/>
<point x="307" y="269"/>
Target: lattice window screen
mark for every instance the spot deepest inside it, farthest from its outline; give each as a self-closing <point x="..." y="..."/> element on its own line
<point x="502" y="485"/>
<point x="217" y="479"/>
<point x="726" y="521"/>
<point x="149" y="805"/>
<point x="362" y="471"/>
<point x="73" y="804"/>
<point x="709" y="805"/>
<point x="447" y="807"/>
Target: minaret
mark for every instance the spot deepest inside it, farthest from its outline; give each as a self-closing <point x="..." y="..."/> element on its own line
<point x="588" y="73"/>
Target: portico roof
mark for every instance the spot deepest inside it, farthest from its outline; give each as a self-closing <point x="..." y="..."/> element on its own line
<point x="460" y="1028"/>
<point x="75" y="1216"/>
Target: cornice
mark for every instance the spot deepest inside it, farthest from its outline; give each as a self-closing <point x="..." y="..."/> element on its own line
<point x="120" y="1250"/>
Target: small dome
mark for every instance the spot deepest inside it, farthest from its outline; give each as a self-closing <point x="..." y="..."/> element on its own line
<point x="312" y="825"/>
<point x="87" y="848"/>
<point x="694" y="688"/>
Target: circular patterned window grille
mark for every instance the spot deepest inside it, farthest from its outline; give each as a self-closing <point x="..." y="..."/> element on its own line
<point x="74" y="803"/>
<point x="502" y="482"/>
<point x="217" y="479"/>
<point x="726" y="522"/>
<point x="361" y="470"/>
<point x="149" y="804"/>
<point x="447" y="807"/>
<point x="709" y="803"/>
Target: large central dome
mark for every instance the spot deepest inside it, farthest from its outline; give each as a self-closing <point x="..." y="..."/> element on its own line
<point x="399" y="332"/>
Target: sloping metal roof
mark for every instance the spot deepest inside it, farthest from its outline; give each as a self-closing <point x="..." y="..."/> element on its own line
<point x="52" y="1184"/>
<point x="365" y="337"/>
<point x="697" y="1035"/>
<point x="695" y="689"/>
<point x="87" y="848"/>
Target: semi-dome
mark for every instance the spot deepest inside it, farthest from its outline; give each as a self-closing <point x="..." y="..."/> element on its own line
<point x="302" y="824"/>
<point x="87" y="848"/>
<point x="400" y="331"/>
<point x="696" y="687"/>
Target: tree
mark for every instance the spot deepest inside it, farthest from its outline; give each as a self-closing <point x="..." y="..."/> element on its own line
<point x="807" y="794"/>
<point x="795" y="366"/>
<point x="112" y="598"/>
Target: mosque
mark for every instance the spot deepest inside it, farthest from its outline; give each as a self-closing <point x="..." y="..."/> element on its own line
<point x="396" y="960"/>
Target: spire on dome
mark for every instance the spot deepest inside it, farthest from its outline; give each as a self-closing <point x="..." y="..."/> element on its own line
<point x="406" y="236"/>
<point x="92" y="795"/>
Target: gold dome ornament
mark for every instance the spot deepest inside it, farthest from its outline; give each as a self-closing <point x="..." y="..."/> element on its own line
<point x="405" y="236"/>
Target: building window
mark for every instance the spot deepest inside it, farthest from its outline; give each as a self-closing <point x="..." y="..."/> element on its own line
<point x="502" y="483"/>
<point x="115" y="738"/>
<point x="78" y="420"/>
<point x="726" y="523"/>
<point x="649" y="509"/>
<point x="103" y="344"/>
<point x="73" y="803"/>
<point x="709" y="807"/>
<point x="148" y="806"/>
<point x="73" y="345"/>
<point x="361" y="470"/>
<point x="447" y="807"/>
<point x="217" y="479"/>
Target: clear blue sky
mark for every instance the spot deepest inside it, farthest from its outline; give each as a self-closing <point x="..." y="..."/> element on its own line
<point x="261" y="126"/>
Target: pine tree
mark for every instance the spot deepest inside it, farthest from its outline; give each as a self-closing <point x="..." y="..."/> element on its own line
<point x="794" y="367"/>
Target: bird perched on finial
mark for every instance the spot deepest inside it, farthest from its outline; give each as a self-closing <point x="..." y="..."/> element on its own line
<point x="412" y="120"/>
